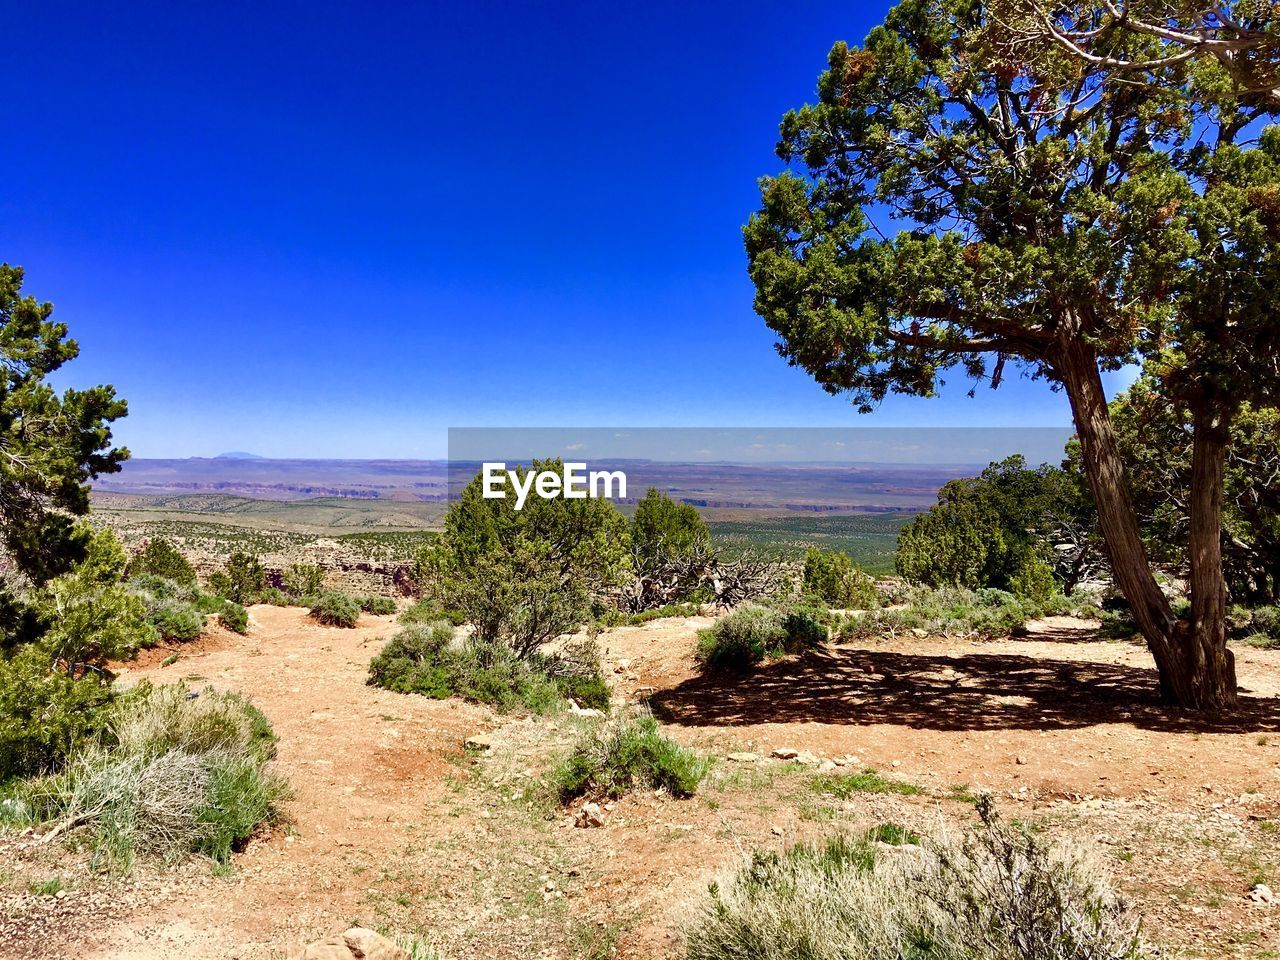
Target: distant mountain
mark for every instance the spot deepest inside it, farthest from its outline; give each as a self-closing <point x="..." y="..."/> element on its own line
<point x="238" y="455"/>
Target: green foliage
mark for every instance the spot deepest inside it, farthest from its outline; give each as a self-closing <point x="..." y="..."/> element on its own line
<point x="88" y="614"/>
<point x="994" y="892"/>
<point x="429" y="611"/>
<point x="951" y="611"/>
<point x="1002" y="529"/>
<point x="177" y="622"/>
<point x="834" y="578"/>
<point x="54" y="445"/>
<point x="304" y="580"/>
<point x="842" y="786"/>
<point x="234" y="617"/>
<point x="523" y="577"/>
<point x="627" y="754"/>
<point x="425" y="659"/>
<point x="242" y="579"/>
<point x="613" y="617"/>
<point x="336" y="609"/>
<point x="752" y="633"/>
<point x="378" y="605"/>
<point x="1155" y="438"/>
<point x="160" y="558"/>
<point x="275" y="597"/>
<point x="185" y="773"/>
<point x="46" y="713"/>
<point x="671" y="554"/>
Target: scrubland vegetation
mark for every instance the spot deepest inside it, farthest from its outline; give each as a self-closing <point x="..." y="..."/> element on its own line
<point x="1071" y="214"/>
<point x="997" y="891"/>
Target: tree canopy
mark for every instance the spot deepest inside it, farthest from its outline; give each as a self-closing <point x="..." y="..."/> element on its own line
<point x="949" y="208"/>
<point x="51" y="446"/>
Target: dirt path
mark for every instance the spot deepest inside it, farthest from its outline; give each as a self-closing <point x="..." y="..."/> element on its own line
<point x="365" y="765"/>
<point x="394" y="828"/>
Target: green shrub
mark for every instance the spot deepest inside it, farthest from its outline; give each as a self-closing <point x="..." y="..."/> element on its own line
<point x="153" y="588"/>
<point x="377" y="605"/>
<point x="304" y="580"/>
<point x="954" y="611"/>
<point x="275" y="596"/>
<point x="996" y="893"/>
<point x="234" y="617"/>
<point x="186" y="773"/>
<point x="45" y="713"/>
<point x="577" y="672"/>
<point x="208" y="602"/>
<point x="752" y="633"/>
<point x="335" y="609"/>
<point x="425" y="659"/>
<point x="89" y="615"/>
<point x="1258" y="627"/>
<point x="838" y="581"/>
<point x="429" y="611"/>
<point x="160" y="558"/>
<point x="241" y="580"/>
<point x="627" y="754"/>
<point x="524" y="577"/>
<point x="176" y="621"/>
<point x="613" y="617"/>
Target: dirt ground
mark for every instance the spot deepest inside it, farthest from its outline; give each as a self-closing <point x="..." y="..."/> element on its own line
<point x="394" y="825"/>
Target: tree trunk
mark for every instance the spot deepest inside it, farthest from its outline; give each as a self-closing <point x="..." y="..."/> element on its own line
<point x="1195" y="669"/>
<point x="1208" y="666"/>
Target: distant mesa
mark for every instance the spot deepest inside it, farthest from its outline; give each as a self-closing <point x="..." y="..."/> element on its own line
<point x="238" y="455"/>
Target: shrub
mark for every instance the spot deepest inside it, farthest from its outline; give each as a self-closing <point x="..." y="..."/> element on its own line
<point x="612" y="617"/>
<point x="304" y="580"/>
<point x="88" y="614"/>
<point x="234" y="617"/>
<point x="335" y="609"/>
<point x="379" y="606"/>
<point x="626" y="754"/>
<point x="160" y="558"/>
<point x="425" y="659"/>
<point x="429" y="611"/>
<point x="46" y="713"/>
<point x="577" y="672"/>
<point x="176" y="621"/>
<point x="275" y="596"/>
<point x="241" y="580"/>
<point x="997" y="892"/>
<point x="187" y="774"/>
<point x="837" y="580"/>
<point x="153" y="588"/>
<point x="524" y="577"/>
<point x="752" y="633"/>
<point x="1001" y="529"/>
<point x="953" y="611"/>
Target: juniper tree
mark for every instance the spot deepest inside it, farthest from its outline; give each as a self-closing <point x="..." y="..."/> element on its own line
<point x="51" y="445"/>
<point x="1049" y="218"/>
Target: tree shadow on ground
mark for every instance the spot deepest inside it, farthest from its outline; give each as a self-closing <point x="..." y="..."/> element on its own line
<point x="978" y="691"/>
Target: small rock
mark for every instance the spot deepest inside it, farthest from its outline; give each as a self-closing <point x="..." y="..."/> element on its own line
<point x="357" y="943"/>
<point x="590" y="815"/>
<point x="808" y="759"/>
<point x="478" y="741"/>
<point x="826" y="765"/>
<point x="1262" y="894"/>
<point x="896" y="763"/>
<point x="785" y="753"/>
<point x="624" y="663"/>
<point x="1020" y="761"/>
<point x="743" y="757"/>
<point x="578" y="711"/>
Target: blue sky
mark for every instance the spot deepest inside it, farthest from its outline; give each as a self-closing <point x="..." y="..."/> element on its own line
<point x="334" y="229"/>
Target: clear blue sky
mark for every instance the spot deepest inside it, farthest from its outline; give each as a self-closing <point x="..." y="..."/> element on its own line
<point x="331" y="229"/>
